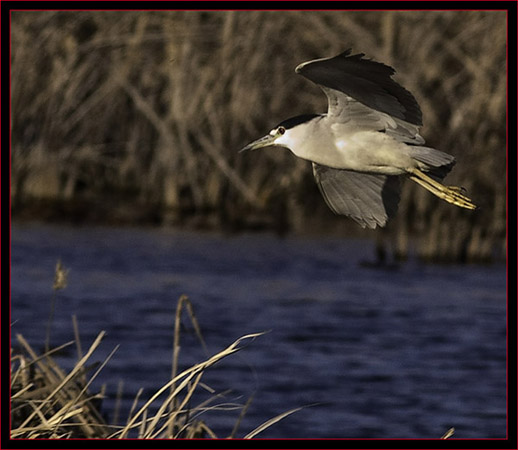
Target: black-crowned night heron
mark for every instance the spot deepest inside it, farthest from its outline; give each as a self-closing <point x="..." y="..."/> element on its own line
<point x="366" y="141"/>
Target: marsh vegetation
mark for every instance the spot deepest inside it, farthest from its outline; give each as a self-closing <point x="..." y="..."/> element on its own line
<point x="136" y="117"/>
<point x="50" y="402"/>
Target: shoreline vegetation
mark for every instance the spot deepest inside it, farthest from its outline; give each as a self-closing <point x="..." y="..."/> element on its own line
<point x="136" y="118"/>
<point x="48" y="402"/>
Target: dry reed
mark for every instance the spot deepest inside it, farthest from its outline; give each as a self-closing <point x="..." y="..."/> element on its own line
<point x="138" y="116"/>
<point x="48" y="402"/>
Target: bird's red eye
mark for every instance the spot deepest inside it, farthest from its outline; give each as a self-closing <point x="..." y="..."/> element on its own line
<point x="281" y="130"/>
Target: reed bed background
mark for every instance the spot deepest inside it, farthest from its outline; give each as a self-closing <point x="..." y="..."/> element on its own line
<point x="137" y="117"/>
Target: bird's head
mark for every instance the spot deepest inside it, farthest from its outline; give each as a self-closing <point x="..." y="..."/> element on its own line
<point x="286" y="134"/>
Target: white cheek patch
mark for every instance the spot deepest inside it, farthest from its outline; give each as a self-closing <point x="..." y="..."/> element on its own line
<point x="285" y="140"/>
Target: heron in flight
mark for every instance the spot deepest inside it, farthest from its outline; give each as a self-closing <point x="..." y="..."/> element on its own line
<point x="368" y="139"/>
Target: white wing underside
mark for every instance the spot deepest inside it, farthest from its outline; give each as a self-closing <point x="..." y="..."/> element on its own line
<point x="345" y="109"/>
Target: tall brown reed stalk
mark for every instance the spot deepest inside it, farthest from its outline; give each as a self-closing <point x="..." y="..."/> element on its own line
<point x="60" y="282"/>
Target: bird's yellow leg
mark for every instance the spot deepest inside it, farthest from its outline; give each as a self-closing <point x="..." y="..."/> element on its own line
<point x="451" y="194"/>
<point x="458" y="189"/>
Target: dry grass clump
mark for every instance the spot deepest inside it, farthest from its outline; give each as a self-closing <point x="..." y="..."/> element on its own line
<point x="138" y="116"/>
<point x="48" y="402"/>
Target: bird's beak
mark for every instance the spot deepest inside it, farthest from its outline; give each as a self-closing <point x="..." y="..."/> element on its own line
<point x="265" y="141"/>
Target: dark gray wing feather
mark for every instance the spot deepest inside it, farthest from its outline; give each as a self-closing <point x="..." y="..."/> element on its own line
<point x="365" y="80"/>
<point x="368" y="199"/>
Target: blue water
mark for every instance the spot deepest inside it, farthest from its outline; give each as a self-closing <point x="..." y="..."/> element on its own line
<point x="403" y="352"/>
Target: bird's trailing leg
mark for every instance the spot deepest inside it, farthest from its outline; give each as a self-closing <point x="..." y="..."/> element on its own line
<point x="451" y="194"/>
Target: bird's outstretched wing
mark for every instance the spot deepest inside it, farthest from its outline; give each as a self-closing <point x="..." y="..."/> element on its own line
<point x="345" y="109"/>
<point x="369" y="82"/>
<point x="368" y="199"/>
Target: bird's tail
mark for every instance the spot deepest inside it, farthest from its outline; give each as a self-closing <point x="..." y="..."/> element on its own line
<point x="437" y="164"/>
<point x="434" y="166"/>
